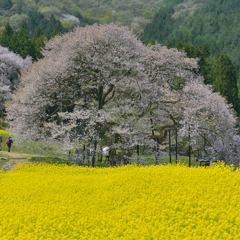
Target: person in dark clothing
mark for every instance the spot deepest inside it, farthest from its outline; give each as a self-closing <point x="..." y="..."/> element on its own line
<point x="9" y="143"/>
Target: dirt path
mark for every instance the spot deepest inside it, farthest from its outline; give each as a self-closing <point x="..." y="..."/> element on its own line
<point x="10" y="160"/>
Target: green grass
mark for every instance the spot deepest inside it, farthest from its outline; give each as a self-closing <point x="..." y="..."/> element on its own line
<point x="150" y="159"/>
<point x="3" y="161"/>
<point x="40" y="148"/>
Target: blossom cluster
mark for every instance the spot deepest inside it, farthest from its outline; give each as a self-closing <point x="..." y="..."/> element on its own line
<point x="10" y="65"/>
<point x="99" y="85"/>
<point x="130" y="202"/>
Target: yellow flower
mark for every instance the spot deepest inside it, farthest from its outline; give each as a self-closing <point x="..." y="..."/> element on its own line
<point x="130" y="202"/>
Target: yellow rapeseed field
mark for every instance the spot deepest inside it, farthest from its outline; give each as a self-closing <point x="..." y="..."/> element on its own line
<point x="159" y="202"/>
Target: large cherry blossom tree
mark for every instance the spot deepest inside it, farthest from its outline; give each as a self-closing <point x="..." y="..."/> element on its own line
<point x="210" y="122"/>
<point x="101" y="84"/>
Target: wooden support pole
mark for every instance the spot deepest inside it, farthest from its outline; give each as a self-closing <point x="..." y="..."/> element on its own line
<point x="170" y="146"/>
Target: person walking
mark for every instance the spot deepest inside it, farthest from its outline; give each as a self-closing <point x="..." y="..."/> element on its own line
<point x="106" y="152"/>
<point x="9" y="143"/>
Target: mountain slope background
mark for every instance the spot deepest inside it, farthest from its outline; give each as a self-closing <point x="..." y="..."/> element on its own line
<point x="129" y="12"/>
<point x="25" y="25"/>
<point x="207" y="29"/>
<point x="211" y="23"/>
<point x="214" y="24"/>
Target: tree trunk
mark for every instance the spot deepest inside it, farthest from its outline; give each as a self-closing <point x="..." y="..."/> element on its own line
<point x="78" y="157"/>
<point x="100" y="97"/>
<point x="84" y="153"/>
<point x="170" y="146"/>
<point x="157" y="155"/>
<point x="189" y="149"/>
<point x="89" y="155"/>
<point x="94" y="153"/>
<point x="153" y="131"/>
<point x="190" y="156"/>
<point x="176" y="145"/>
<point x="138" y="154"/>
<point x="157" y="148"/>
<point x="100" y="154"/>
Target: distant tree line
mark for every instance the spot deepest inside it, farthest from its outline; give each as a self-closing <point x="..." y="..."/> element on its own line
<point x="30" y="37"/>
<point x="218" y="70"/>
<point x="209" y="34"/>
<point x="6" y="4"/>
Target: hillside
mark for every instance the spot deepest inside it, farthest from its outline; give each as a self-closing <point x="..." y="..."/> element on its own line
<point x="15" y="12"/>
<point x="214" y="24"/>
<point x="207" y="29"/>
<point x="135" y="13"/>
<point x="25" y="25"/>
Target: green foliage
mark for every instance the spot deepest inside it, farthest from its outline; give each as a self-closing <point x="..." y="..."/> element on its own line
<point x="33" y="29"/>
<point x="30" y="38"/>
<point x="22" y="43"/>
<point x="50" y="160"/>
<point x="37" y="23"/>
<point x="3" y="124"/>
<point x="104" y="11"/>
<point x="19" y="42"/>
<point x="43" y="152"/>
<point x="224" y="77"/>
<point x="210" y="32"/>
<point x="178" y="84"/>
<point x="160" y="26"/>
<point x="39" y="148"/>
<point x="6" y="37"/>
<point x="215" y="23"/>
<point x="218" y="70"/>
<point x="6" y="4"/>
